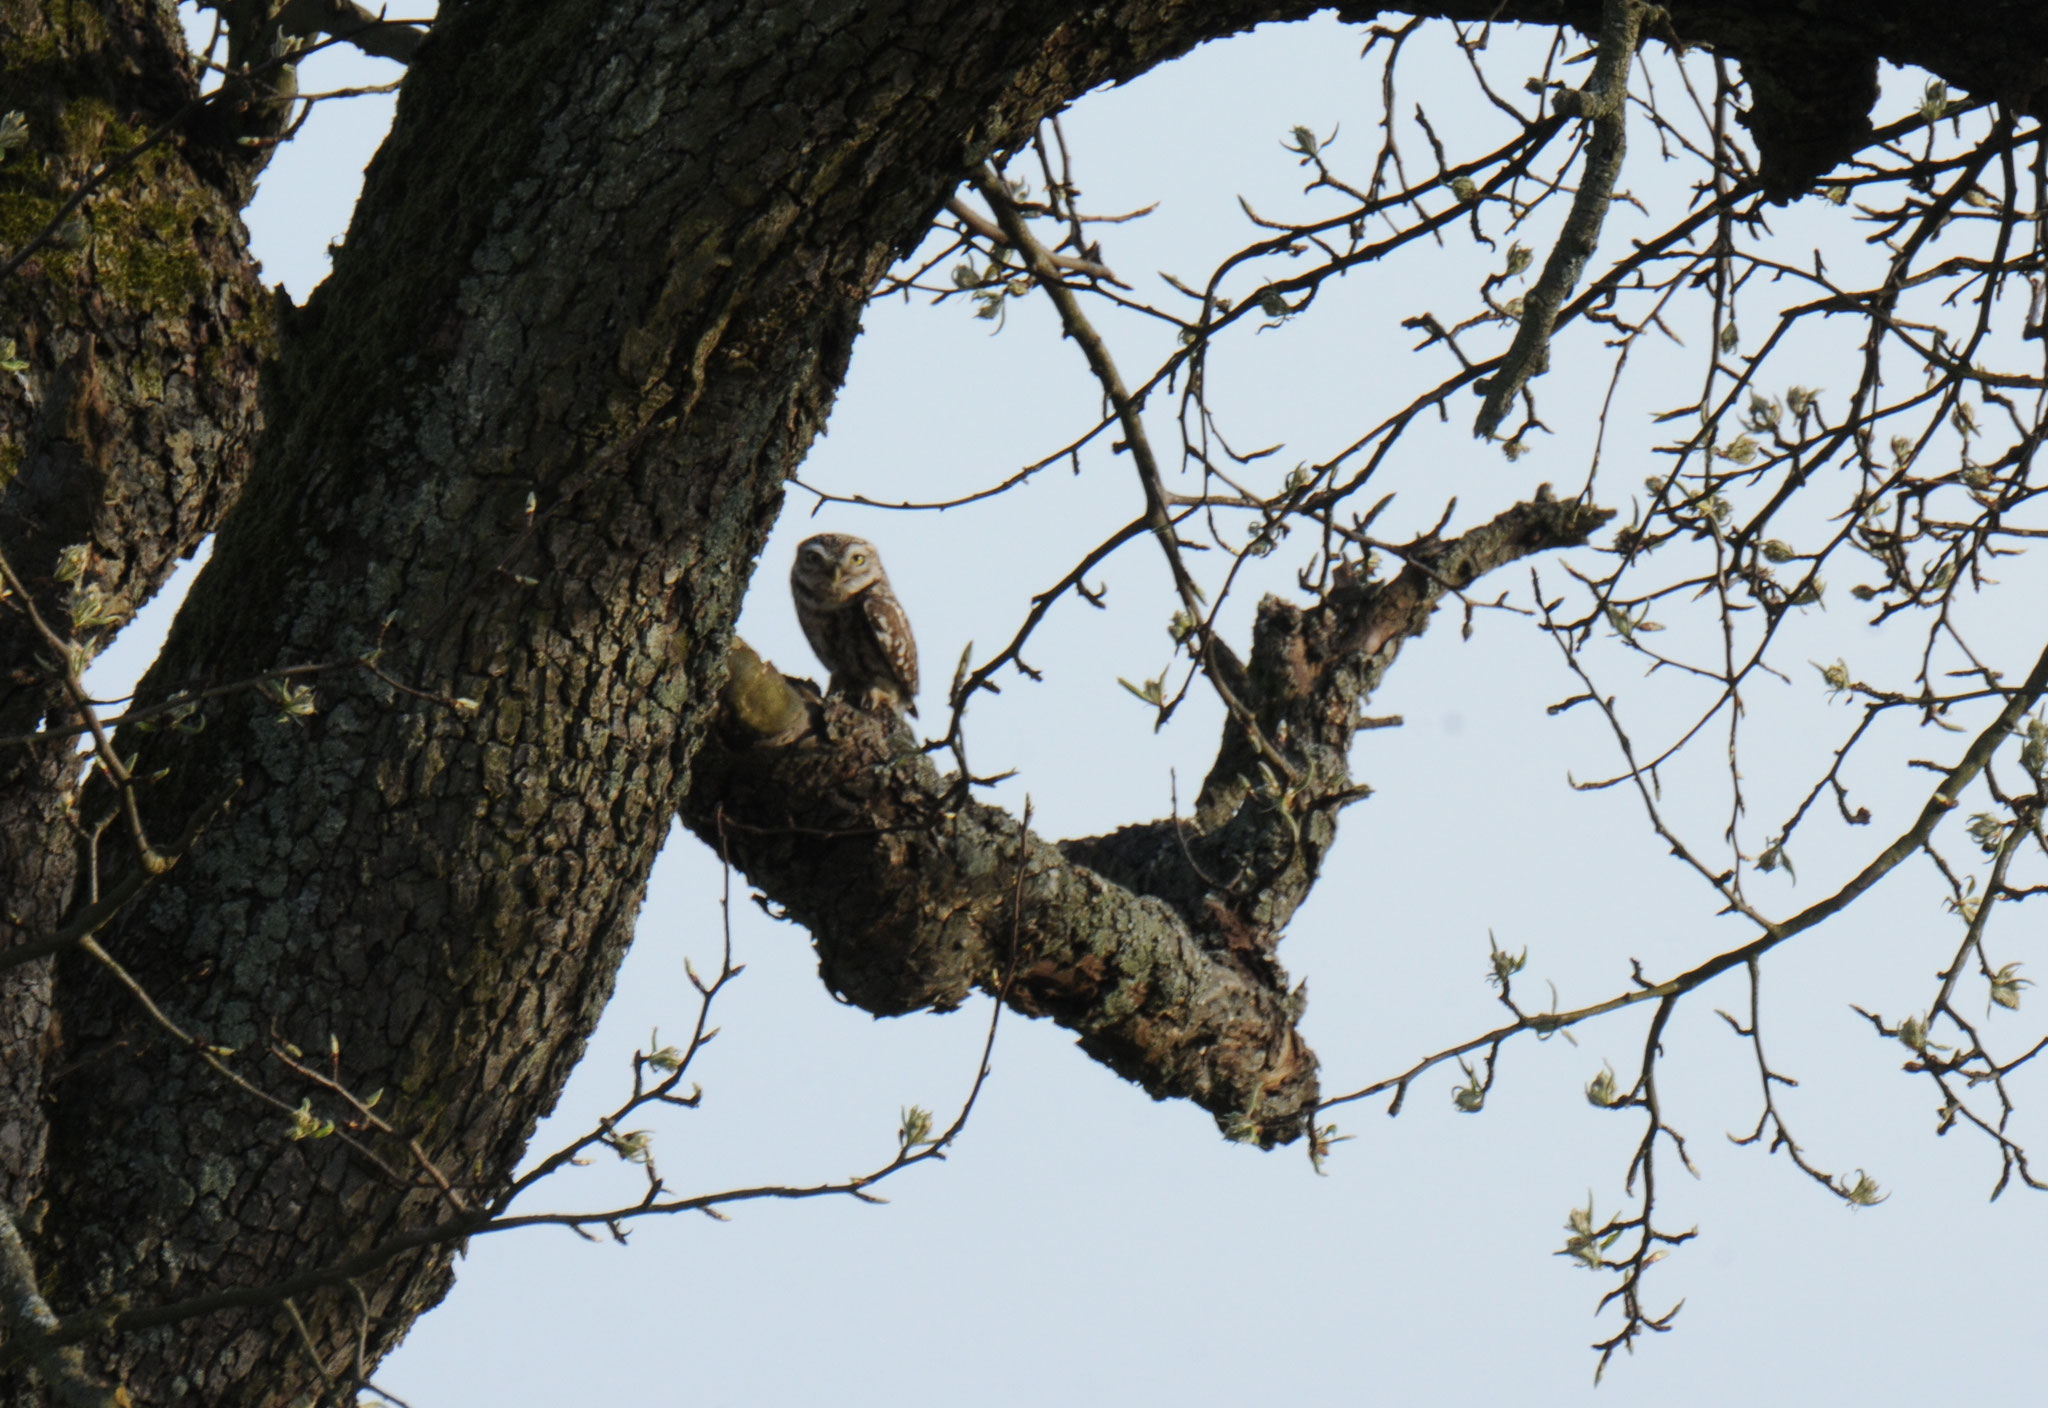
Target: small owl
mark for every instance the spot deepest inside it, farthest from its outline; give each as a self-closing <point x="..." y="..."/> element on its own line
<point x="854" y="622"/>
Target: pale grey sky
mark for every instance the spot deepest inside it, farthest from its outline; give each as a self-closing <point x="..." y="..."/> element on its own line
<point x="1086" y="1245"/>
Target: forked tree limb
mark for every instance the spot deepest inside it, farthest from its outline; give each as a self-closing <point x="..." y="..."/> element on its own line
<point x="1155" y="943"/>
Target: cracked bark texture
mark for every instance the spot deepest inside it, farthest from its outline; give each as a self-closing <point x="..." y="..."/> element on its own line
<point x="613" y="258"/>
<point x="142" y="324"/>
<point x="1155" y="943"/>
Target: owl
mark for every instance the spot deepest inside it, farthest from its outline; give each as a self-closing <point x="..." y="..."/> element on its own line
<point x="854" y="622"/>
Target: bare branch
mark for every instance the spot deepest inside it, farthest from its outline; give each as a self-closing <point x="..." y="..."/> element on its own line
<point x="1604" y="100"/>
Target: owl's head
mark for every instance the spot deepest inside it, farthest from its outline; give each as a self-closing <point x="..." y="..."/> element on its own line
<point x="835" y="567"/>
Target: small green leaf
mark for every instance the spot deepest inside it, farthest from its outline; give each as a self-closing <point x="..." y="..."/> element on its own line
<point x="1987" y="831"/>
<point x="1773" y="857"/>
<point x="307" y="1125"/>
<point x="1836" y="676"/>
<point x="1741" y="449"/>
<point x="1501" y="964"/>
<point x="1601" y="1091"/>
<point x="1471" y="1096"/>
<point x="2005" y="987"/>
<point x="1582" y="1244"/>
<point x="1152" y="691"/>
<point x="916" y="1130"/>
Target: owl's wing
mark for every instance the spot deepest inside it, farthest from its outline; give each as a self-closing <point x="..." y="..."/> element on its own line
<point x="887" y="619"/>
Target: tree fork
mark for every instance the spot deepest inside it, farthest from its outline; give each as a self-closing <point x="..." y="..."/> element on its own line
<point x="609" y="264"/>
<point x="1156" y="943"/>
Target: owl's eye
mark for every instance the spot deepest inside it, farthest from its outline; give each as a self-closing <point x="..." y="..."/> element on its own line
<point x="859" y="558"/>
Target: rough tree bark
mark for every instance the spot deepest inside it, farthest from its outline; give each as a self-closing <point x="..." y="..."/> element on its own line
<point x="518" y="454"/>
<point x="143" y="323"/>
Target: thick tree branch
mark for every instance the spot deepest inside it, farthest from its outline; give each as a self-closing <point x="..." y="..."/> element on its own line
<point x="1156" y="944"/>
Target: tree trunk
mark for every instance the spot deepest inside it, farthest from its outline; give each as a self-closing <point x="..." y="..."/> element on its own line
<point x="517" y="457"/>
<point x="142" y="324"/>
